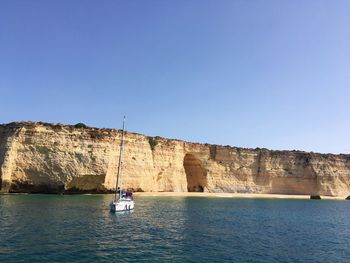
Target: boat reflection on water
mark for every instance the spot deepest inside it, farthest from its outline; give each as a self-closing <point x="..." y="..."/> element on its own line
<point x="117" y="213"/>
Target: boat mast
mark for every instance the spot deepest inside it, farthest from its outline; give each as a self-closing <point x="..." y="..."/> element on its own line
<point x="120" y="165"/>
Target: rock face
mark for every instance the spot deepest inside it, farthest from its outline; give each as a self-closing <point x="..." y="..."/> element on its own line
<point x="41" y="157"/>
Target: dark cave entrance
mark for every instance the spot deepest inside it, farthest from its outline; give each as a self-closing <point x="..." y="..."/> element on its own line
<point x="196" y="175"/>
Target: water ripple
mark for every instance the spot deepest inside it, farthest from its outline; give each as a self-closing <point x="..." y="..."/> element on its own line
<point x="42" y="228"/>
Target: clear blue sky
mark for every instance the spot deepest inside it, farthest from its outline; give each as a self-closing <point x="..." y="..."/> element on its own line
<point x="272" y="74"/>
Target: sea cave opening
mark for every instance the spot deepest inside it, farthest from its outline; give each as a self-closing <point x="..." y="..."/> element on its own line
<point x="196" y="175"/>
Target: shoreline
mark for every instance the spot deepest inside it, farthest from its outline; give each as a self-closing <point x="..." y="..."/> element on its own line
<point x="201" y="194"/>
<point x="234" y="195"/>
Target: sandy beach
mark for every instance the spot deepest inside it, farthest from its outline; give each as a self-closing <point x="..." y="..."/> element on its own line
<point x="235" y="195"/>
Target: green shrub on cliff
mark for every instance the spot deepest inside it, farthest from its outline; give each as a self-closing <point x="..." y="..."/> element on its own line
<point x="152" y="142"/>
<point x="80" y="125"/>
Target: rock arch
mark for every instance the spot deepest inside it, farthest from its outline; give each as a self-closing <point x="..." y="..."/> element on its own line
<point x="196" y="175"/>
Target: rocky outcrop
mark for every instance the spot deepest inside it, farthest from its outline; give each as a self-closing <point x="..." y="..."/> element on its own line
<point x="42" y="157"/>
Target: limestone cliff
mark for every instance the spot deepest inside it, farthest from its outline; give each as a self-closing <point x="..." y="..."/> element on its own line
<point x="41" y="157"/>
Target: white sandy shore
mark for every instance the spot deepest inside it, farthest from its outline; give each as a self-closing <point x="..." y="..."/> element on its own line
<point x="235" y="195"/>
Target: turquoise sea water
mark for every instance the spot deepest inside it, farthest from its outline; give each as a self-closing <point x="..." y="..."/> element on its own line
<point x="80" y="228"/>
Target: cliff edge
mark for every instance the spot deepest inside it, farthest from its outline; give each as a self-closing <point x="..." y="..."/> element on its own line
<point x="55" y="158"/>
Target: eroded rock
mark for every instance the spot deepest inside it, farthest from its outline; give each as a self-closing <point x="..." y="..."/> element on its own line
<point x="62" y="158"/>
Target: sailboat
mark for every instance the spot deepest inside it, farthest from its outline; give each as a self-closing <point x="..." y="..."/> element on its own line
<point x="123" y="200"/>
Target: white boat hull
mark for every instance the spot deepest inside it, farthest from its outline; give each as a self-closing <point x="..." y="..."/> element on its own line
<point x="122" y="205"/>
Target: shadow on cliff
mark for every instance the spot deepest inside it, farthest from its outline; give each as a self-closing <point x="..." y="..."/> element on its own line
<point x="196" y="174"/>
<point x="20" y="187"/>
